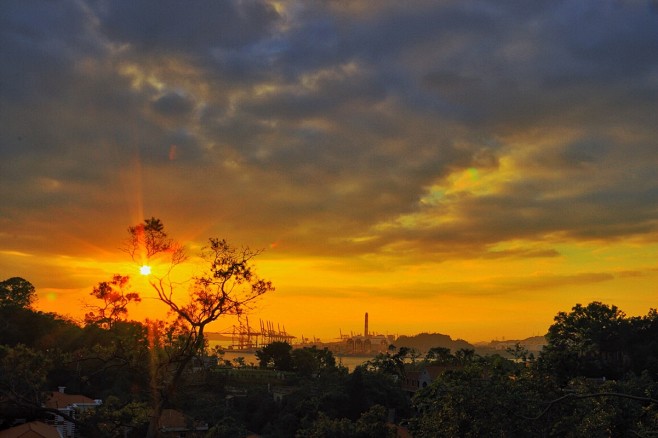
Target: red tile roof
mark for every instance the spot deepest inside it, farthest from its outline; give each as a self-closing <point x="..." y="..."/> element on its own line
<point x="59" y="400"/>
<point x="35" y="429"/>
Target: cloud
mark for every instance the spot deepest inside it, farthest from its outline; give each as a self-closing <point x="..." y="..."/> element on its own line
<point x="171" y="26"/>
<point x="522" y="285"/>
<point x="440" y="128"/>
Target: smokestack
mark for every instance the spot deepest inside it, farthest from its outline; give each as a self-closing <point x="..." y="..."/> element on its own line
<point x="365" y="329"/>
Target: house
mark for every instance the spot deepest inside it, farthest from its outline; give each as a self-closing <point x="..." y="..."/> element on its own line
<point x="419" y="378"/>
<point x="71" y="405"/>
<point x="281" y="392"/>
<point x="175" y="424"/>
<point x="34" y="429"/>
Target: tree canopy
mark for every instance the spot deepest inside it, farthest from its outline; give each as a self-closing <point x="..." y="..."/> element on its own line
<point x="591" y="341"/>
<point x="17" y="292"/>
<point x="114" y="297"/>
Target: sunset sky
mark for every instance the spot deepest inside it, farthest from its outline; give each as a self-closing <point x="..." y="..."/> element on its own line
<point x="463" y="167"/>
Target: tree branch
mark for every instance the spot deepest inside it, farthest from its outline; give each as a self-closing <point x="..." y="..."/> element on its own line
<point x="584" y="396"/>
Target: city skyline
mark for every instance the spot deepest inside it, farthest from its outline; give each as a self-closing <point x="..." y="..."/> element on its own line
<point x="470" y="168"/>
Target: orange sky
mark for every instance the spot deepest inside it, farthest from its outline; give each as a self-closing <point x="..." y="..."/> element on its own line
<point x="474" y="299"/>
<point x="455" y="167"/>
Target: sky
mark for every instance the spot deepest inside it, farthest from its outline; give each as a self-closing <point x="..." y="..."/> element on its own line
<point x="470" y="168"/>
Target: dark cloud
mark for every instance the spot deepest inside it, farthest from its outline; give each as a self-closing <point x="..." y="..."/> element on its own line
<point x="333" y="124"/>
<point x="169" y="25"/>
<point x="39" y="42"/>
<point x="173" y="104"/>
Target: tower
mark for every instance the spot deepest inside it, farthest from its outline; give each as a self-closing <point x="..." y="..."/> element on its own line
<point x="365" y="329"/>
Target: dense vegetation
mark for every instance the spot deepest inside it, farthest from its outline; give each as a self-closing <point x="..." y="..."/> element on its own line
<point x="597" y="376"/>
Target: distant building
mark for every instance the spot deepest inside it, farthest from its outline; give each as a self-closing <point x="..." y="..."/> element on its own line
<point x="71" y="405"/>
<point x="416" y="378"/>
<point x="281" y="392"/>
<point x="367" y="343"/>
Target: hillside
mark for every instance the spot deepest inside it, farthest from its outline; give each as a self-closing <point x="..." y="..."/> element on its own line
<point x="424" y="341"/>
<point x="533" y="344"/>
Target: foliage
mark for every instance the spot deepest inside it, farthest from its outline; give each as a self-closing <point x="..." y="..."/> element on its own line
<point x="227" y="286"/>
<point x="372" y="424"/>
<point x="113" y="361"/>
<point x="439" y="356"/>
<point x="335" y="393"/>
<point x="484" y="398"/>
<point x="276" y="356"/>
<point x="115" y="300"/>
<point x="149" y="239"/>
<point x="23" y="375"/>
<point x="387" y="363"/>
<point x="114" y="418"/>
<point x="556" y="396"/>
<point x="589" y="341"/>
<point x="36" y="329"/>
<point x="366" y="388"/>
<point x="520" y="353"/>
<point x="228" y="427"/>
<point x="642" y="347"/>
<point x="16" y="292"/>
<point x="311" y="362"/>
<point x="306" y="362"/>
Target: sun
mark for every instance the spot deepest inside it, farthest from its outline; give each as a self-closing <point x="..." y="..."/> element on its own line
<point x="145" y="270"/>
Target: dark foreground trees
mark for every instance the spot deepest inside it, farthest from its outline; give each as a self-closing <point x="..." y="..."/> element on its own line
<point x="307" y="361"/>
<point x="595" y="377"/>
<point x="485" y="399"/>
<point x="591" y="341"/>
<point x="598" y="340"/>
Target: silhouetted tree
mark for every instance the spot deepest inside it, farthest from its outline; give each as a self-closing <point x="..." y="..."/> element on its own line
<point x="464" y="356"/>
<point x="37" y="329"/>
<point x="309" y="361"/>
<point x="276" y="355"/>
<point x="115" y="298"/>
<point x="391" y="364"/>
<point x="643" y="344"/>
<point x="589" y="341"/>
<point x="439" y="355"/>
<point x="17" y="292"/>
<point x="226" y="286"/>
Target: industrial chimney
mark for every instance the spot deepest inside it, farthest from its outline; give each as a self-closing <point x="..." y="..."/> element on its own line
<point x="365" y="329"/>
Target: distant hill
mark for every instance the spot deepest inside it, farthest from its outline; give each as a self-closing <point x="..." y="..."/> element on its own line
<point x="424" y="341"/>
<point x="533" y="344"/>
<point x="217" y="336"/>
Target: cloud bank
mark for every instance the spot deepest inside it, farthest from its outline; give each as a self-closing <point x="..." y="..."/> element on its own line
<point x="429" y="131"/>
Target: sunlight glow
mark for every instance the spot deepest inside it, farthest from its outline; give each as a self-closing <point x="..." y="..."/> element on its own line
<point x="145" y="270"/>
